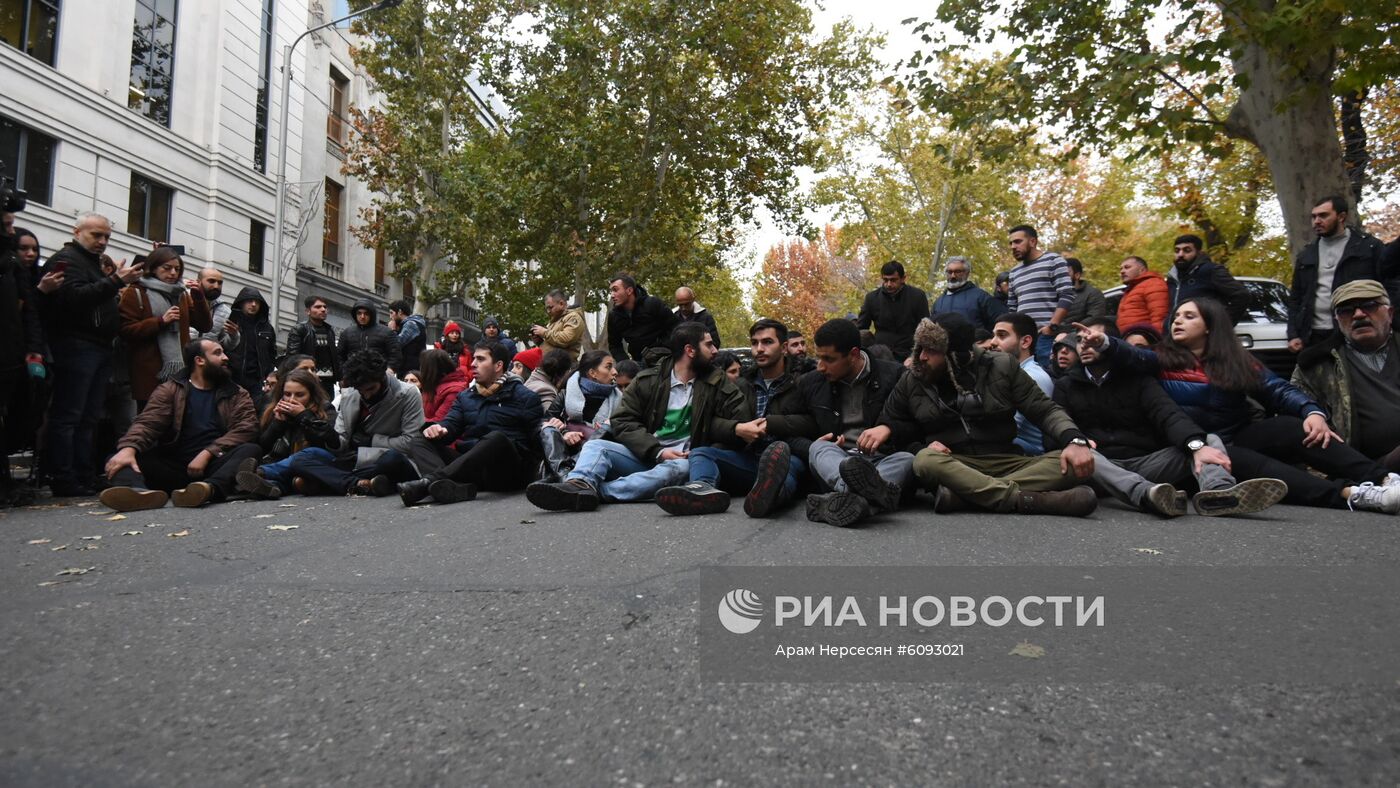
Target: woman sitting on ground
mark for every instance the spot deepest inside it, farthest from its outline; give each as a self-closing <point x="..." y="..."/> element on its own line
<point x="442" y="380"/>
<point x="299" y="417"/>
<point x="581" y="413"/>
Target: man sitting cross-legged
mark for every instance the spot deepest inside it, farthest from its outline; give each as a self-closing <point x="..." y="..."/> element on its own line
<point x="493" y="423"/>
<point x="845" y="395"/>
<point x="188" y="441"/>
<point x="682" y="402"/>
<point x="958" y="407"/>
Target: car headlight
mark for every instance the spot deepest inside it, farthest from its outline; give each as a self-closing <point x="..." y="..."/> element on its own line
<point x="1246" y="341"/>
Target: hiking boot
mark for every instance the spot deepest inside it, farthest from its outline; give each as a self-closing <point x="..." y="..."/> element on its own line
<point x="863" y="479"/>
<point x="256" y="486"/>
<point x="768" y="485"/>
<point x="1075" y="502"/>
<point x="130" y="499"/>
<point x="573" y="495"/>
<point x="843" y="510"/>
<point x="194" y="495"/>
<point x="1370" y="498"/>
<point x="692" y="498"/>
<point x="448" y="491"/>
<point x="1247" y="497"/>
<point x="945" y="501"/>
<point x="379" y="487"/>
<point x="1163" y="499"/>
<point x="414" y="492"/>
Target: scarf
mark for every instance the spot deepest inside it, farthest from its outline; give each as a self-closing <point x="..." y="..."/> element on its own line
<point x="581" y="388"/>
<point x="490" y="391"/>
<point x="163" y="296"/>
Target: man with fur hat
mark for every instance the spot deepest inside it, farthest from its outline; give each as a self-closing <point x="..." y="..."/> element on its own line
<point x="957" y="408"/>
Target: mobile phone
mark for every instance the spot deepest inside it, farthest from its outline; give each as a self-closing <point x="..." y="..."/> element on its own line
<point x="56" y="267"/>
<point x="176" y="248"/>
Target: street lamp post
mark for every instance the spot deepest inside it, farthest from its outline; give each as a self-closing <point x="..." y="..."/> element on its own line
<point x="281" y="203"/>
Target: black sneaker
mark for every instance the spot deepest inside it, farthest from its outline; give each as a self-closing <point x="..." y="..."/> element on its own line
<point x="1075" y="502"/>
<point x="1163" y="499"/>
<point x="863" y="479"/>
<point x="574" y="495"/>
<point x="692" y="498"/>
<point x="258" y="487"/>
<point x="413" y="492"/>
<point x="1247" y="497"/>
<point x="767" y="492"/>
<point x="130" y="499"/>
<point x="448" y="491"/>
<point x="843" y="510"/>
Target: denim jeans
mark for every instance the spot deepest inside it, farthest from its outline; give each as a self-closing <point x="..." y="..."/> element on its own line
<point x="280" y="473"/>
<point x="322" y="466"/>
<point x="617" y="474"/>
<point x="736" y="471"/>
<point x="826" y="457"/>
<point x="1044" y="350"/>
<point x="80" y="373"/>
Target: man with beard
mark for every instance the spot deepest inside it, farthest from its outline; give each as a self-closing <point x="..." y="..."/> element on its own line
<point x="682" y="403"/>
<point x="1040" y="286"/>
<point x="796" y="349"/>
<point x="225" y="330"/>
<point x="188" y="442"/>
<point x="1340" y="254"/>
<point x="1195" y="276"/>
<point x="1355" y="374"/>
<point x="957" y="409"/>
<point x="966" y="298"/>
<point x="765" y="468"/>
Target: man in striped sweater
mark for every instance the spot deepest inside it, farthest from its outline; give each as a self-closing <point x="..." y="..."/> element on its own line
<point x="1040" y="287"/>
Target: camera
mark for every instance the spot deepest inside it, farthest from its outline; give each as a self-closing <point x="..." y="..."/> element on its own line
<point x="12" y="200"/>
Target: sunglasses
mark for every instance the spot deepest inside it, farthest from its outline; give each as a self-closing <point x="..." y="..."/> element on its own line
<point x="1369" y="307"/>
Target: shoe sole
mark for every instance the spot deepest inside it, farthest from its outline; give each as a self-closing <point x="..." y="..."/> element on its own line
<point x="445" y="491"/>
<point x="863" y="479"/>
<point x="1163" y="500"/>
<point x="684" y="502"/>
<point x="125" y="499"/>
<point x="844" y="510"/>
<point x="1247" y="497"/>
<point x="195" y="495"/>
<point x="773" y="467"/>
<point x="553" y="499"/>
<point x="253" y="484"/>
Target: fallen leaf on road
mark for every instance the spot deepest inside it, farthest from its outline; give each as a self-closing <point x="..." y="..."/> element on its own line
<point x="282" y="527"/>
<point x="54" y="582"/>
<point x="41" y="506"/>
<point x="91" y="538"/>
<point x="39" y="541"/>
<point x="102" y="513"/>
<point x="88" y="547"/>
<point x="1147" y="550"/>
<point x="263" y="516"/>
<point x="155" y="525"/>
<point x="87" y="503"/>
<point x="1028" y="650"/>
<point x="132" y="533"/>
<point x="60" y="547"/>
<point x="116" y="517"/>
<point x="527" y="522"/>
<point x="179" y="533"/>
<point x="286" y="506"/>
<point x="76" y="570"/>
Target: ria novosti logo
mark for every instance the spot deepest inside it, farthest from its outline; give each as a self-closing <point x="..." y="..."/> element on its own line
<point x="740" y="611"/>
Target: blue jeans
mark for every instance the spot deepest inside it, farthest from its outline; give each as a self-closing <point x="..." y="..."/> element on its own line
<point x="617" y="474"/>
<point x="280" y="473"/>
<point x="338" y="475"/>
<point x="1044" y="349"/>
<point x="736" y="471"/>
<point x="80" y="373"/>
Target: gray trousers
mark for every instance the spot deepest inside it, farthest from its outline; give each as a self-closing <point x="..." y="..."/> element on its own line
<point x="825" y="458"/>
<point x="1129" y="479"/>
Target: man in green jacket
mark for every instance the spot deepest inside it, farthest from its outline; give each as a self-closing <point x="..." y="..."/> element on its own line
<point x="682" y="402"/>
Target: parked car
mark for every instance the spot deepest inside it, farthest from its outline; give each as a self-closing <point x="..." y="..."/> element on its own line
<point x="1264" y="330"/>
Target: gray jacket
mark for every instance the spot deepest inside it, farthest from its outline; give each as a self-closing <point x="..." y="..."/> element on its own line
<point x="397" y="423"/>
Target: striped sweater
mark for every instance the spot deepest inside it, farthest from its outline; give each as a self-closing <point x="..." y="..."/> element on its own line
<point x="1040" y="287"/>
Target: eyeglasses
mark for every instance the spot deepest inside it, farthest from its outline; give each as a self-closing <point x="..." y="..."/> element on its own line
<point x="1369" y="307"/>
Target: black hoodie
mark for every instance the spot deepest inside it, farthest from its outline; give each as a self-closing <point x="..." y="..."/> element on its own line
<point x="256" y="353"/>
<point x="371" y="337"/>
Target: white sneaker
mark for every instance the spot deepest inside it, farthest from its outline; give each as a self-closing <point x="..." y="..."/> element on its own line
<point x="1370" y="498"/>
<point x="1391" y="480"/>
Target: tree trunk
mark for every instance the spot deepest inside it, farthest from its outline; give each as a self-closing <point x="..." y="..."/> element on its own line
<point x="1357" y="158"/>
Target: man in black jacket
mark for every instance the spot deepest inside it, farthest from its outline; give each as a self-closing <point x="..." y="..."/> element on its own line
<point x="368" y="334"/>
<point x="638" y="319"/>
<point x="1338" y="255"/>
<point x="1195" y="275"/>
<point x="895" y="309"/>
<point x="688" y="311"/>
<point x="256" y="353"/>
<point x="316" y="338"/>
<point x="412" y="331"/>
<point x="84" y="323"/>
<point x="844" y="397"/>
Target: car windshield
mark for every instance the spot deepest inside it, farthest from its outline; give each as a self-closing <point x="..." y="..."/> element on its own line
<point x="1268" y="302"/>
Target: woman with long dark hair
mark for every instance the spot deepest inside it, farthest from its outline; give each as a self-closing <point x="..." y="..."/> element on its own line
<point x="441" y="380"/>
<point x="159" y="314"/>
<point x="1203" y="367"/>
<point x="299" y="416"/>
<point x="581" y="412"/>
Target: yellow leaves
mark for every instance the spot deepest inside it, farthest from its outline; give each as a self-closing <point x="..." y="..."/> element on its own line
<point x="1027" y="650"/>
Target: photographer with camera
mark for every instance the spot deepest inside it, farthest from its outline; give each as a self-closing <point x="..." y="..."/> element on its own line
<point x="22" y="355"/>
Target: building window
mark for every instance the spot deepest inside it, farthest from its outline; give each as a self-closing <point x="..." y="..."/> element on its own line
<point x="153" y="59"/>
<point x="148" y="209"/>
<point x="264" y="107"/>
<point x="330" y="245"/>
<point x="28" y="158"/>
<point x="378" y="266"/>
<point x="30" y="26"/>
<point x="257" y="246"/>
<point x="335" y="121"/>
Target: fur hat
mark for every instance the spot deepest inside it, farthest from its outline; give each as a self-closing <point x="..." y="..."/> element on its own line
<point x="930" y="336"/>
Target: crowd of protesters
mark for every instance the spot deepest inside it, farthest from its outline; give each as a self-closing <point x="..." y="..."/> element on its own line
<point x="1027" y="399"/>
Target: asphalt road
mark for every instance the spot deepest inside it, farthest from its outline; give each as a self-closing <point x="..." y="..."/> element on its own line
<point x="490" y="643"/>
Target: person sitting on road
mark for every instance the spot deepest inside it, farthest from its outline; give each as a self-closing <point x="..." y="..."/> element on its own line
<point x="299" y="416"/>
<point x="627" y="371"/>
<point x="1142" y="335"/>
<point x="440" y="380"/>
<point x="683" y="402"/>
<point x="378" y="422"/>
<point x="844" y="396"/>
<point x="1146" y="448"/>
<point x="764" y="469"/>
<point x="186" y="445"/>
<point x="546" y="378"/>
<point x="1015" y="334"/>
<point x="590" y="396"/>
<point x="493" y="424"/>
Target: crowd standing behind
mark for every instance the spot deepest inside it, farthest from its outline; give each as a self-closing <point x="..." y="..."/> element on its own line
<point x="1029" y="398"/>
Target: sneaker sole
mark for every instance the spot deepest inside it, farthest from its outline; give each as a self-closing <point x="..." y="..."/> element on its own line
<point x="553" y="499"/>
<point x="864" y="480"/>
<point x="444" y="491"/>
<point x="1247" y="497"/>
<point x="253" y="484"/>
<point x="125" y="499"/>
<point x="1163" y="500"/>
<point x="844" y="510"/>
<point x="772" y="474"/>
<point x="682" y="502"/>
<point x="195" y="495"/>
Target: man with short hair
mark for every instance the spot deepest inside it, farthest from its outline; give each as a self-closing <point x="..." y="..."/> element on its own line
<point x="687" y="311"/>
<point x="1089" y="302"/>
<point x="796" y="350"/>
<point x="316" y="338"/>
<point x="187" y="444"/>
<point x="1015" y="335"/>
<point x="681" y="404"/>
<point x="368" y="334"/>
<point x="966" y="298"/>
<point x="493" y="424"/>
<point x="764" y="469"/>
<point x="1040" y="286"/>
<point x="412" y="330"/>
<point x="894" y="308"/>
<point x="225" y="330"/>
<point x="1144" y="295"/>
<point x="491" y="332"/>
<point x="844" y="397"/>
<point x="1195" y="275"/>
<point x="637" y="321"/>
<point x="1355" y="374"/>
<point x="84" y="322"/>
<point x="1340" y="254"/>
<point x="565" y="329"/>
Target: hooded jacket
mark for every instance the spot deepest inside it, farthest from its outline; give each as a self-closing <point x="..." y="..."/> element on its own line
<point x="512" y="409"/>
<point x="413" y="340"/>
<point x="894" y="316"/>
<point x="1126" y="414"/>
<point x="1363" y="257"/>
<point x="85" y="306"/>
<point x="1145" y="300"/>
<point x="717" y="407"/>
<point x="256" y="353"/>
<point x="139" y="330"/>
<point x="1205" y="278"/>
<point x="372" y="337"/>
<point x="647" y="325"/>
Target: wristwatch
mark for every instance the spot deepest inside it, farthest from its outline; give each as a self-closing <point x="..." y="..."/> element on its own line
<point x="1195" y="445"/>
<point x="1080" y="442"/>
